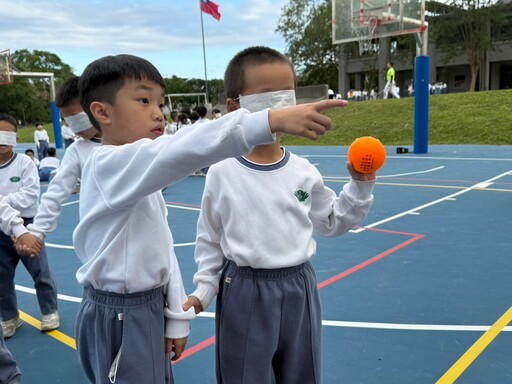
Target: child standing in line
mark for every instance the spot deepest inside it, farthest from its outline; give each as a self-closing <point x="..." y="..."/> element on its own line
<point x="42" y="141"/>
<point x="70" y="170"/>
<point x="255" y="239"/>
<point x="11" y="223"/>
<point x="131" y="316"/>
<point x="19" y="184"/>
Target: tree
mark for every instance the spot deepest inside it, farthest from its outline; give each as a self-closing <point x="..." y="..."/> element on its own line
<point x="307" y="29"/>
<point x="467" y="21"/>
<point x="28" y="99"/>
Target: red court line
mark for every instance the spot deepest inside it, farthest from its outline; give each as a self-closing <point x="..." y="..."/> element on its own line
<point x="414" y="237"/>
<point x="196" y="348"/>
<point x="369" y="261"/>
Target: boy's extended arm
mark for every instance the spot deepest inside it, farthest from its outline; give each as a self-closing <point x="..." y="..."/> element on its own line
<point x="59" y="190"/>
<point x="304" y="120"/>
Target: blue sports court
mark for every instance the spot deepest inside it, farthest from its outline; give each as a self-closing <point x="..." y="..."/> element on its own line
<point x="420" y="294"/>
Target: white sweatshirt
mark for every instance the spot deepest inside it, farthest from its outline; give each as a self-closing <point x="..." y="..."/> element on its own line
<point x="123" y="238"/>
<point x="10" y="220"/>
<point x="19" y="183"/>
<point x="264" y="216"/>
<point x="61" y="186"/>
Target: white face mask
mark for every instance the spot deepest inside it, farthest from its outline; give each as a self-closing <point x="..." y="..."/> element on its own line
<point x="272" y="100"/>
<point x="79" y="122"/>
<point x="8" y="138"/>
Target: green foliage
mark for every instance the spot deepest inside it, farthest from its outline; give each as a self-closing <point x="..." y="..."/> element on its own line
<point x="458" y="118"/>
<point x="29" y="99"/>
<point x="181" y="85"/>
<point x="306" y="27"/>
<point x="465" y="26"/>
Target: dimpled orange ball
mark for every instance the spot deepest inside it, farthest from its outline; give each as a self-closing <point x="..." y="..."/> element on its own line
<point x="367" y="154"/>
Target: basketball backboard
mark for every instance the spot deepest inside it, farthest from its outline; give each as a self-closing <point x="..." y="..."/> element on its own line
<point x="6" y="75"/>
<point x="357" y="19"/>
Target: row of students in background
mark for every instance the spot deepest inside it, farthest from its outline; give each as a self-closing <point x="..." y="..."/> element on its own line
<point x="186" y="117"/>
<point x="121" y="287"/>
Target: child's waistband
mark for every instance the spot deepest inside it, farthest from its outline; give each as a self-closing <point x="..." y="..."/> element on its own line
<point x="277" y="273"/>
<point x="123" y="300"/>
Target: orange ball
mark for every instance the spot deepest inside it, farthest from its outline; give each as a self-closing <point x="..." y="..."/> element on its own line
<point x="366" y="154"/>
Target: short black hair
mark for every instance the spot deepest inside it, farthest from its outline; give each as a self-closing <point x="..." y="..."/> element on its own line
<point x="234" y="77"/>
<point x="103" y="78"/>
<point x="68" y="93"/>
<point x="216" y="110"/>
<point x="27" y="151"/>
<point x="52" y="152"/>
<point x="11" y="120"/>
<point x="201" y="111"/>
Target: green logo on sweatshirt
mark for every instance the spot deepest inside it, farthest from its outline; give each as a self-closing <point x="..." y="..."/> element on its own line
<point x="301" y="195"/>
<point x="15" y="179"/>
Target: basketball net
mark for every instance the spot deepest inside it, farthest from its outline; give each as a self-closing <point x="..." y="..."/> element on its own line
<point x="364" y="27"/>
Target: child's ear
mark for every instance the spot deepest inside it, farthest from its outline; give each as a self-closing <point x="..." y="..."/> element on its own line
<point x="232" y="105"/>
<point x="100" y="112"/>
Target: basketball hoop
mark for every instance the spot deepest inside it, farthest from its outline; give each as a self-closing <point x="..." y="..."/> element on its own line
<point x="6" y="73"/>
<point x="364" y="27"/>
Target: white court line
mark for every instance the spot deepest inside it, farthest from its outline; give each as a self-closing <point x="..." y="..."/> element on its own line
<point x="421" y="158"/>
<point x="384" y="176"/>
<point x="331" y="323"/>
<point x="451" y="197"/>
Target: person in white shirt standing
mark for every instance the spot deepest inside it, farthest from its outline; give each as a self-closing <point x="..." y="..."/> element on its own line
<point x="19" y="184"/>
<point x="42" y="141"/>
<point x="67" y="135"/>
<point x="255" y="239"/>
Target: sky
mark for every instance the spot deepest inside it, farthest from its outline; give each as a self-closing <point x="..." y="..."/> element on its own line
<point x="165" y="32"/>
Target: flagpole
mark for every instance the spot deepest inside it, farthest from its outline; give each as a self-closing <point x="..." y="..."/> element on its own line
<point x="204" y="54"/>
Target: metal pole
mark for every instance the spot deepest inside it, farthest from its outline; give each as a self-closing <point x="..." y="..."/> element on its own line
<point x="204" y="54"/>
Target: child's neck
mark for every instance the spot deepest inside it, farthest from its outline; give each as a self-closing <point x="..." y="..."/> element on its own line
<point x="266" y="154"/>
<point x="5" y="157"/>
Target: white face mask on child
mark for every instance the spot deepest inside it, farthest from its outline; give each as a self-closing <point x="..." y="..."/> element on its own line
<point x="8" y="138"/>
<point x="79" y="122"/>
<point x="272" y="100"/>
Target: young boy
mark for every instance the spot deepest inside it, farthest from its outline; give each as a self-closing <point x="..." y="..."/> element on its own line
<point x="254" y="239"/>
<point x="42" y="141"/>
<point x="70" y="170"/>
<point x="19" y="184"/>
<point x="131" y="316"/>
<point x="49" y="165"/>
<point x="30" y="153"/>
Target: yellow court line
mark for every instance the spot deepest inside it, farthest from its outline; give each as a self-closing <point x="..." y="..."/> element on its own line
<point x="472" y="353"/>
<point x="62" y="337"/>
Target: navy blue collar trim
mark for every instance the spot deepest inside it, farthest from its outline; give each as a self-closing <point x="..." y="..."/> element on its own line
<point x="10" y="161"/>
<point x="263" y="167"/>
<point x="96" y="140"/>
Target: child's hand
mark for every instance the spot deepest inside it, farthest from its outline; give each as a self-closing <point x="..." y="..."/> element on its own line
<point x="358" y="175"/>
<point x="28" y="245"/>
<point x="303" y="120"/>
<point x="193" y="302"/>
<point x="177" y="346"/>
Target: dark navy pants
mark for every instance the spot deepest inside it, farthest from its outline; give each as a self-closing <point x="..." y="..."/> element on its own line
<point x="268" y="326"/>
<point x="39" y="269"/>
<point x="121" y="337"/>
<point x="9" y="372"/>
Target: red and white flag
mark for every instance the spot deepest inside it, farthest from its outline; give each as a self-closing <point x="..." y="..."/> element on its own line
<point x="210" y="8"/>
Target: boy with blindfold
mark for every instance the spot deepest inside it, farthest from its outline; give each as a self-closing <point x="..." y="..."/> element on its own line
<point x="255" y="239"/>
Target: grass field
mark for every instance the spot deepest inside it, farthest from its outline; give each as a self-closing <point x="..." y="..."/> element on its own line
<point x="458" y="118"/>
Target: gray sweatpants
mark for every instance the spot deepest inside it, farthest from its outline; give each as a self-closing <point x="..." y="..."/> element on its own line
<point x="121" y="337"/>
<point x="268" y="326"/>
<point x="9" y="371"/>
